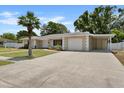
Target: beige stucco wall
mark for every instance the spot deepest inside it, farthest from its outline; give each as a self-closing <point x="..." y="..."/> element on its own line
<point x="50" y="43"/>
<point x="65" y="43"/>
<point x="90" y="43"/>
<point x="33" y="43"/>
<point x="25" y="42"/>
<point x="44" y="43"/>
<point x="85" y="43"/>
<point x="38" y="44"/>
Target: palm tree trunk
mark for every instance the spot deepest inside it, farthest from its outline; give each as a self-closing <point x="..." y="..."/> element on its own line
<point x="30" y="46"/>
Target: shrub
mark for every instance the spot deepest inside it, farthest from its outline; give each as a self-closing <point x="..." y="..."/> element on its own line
<point x="58" y="47"/>
<point x="115" y="40"/>
<point x="119" y="35"/>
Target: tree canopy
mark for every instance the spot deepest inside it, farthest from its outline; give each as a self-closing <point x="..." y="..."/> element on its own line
<point x="96" y="22"/>
<point x="53" y="28"/>
<point x="119" y="35"/>
<point x="118" y="26"/>
<point x="29" y="21"/>
<point x="119" y="21"/>
<point x="24" y="33"/>
<point x="10" y="36"/>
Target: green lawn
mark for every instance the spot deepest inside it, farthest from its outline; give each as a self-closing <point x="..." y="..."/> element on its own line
<point x="24" y="54"/>
<point x="5" y="63"/>
<point x="2" y="49"/>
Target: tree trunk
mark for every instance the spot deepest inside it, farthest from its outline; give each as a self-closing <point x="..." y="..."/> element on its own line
<point x="30" y="45"/>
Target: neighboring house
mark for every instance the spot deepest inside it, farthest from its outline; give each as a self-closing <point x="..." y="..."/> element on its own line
<point x="13" y="45"/>
<point x="82" y="41"/>
<point x="3" y="41"/>
<point x="10" y="43"/>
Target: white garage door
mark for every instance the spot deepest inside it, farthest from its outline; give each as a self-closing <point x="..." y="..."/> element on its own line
<point x="74" y="43"/>
<point x="45" y="44"/>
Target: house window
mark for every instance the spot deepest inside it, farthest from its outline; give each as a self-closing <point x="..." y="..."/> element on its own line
<point x="57" y="42"/>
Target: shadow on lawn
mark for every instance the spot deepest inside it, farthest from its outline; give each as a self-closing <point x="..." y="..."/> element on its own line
<point x="21" y="58"/>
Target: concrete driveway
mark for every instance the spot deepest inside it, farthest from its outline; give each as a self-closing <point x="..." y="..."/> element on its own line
<point x="65" y="69"/>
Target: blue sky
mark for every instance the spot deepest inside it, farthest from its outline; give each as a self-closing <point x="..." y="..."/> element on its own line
<point x="61" y="14"/>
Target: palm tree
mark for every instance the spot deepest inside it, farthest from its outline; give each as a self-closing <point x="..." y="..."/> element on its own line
<point x="30" y="22"/>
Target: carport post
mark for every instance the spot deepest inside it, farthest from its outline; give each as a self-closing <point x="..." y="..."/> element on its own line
<point x="34" y="43"/>
<point x="110" y="43"/>
<point x="87" y="43"/>
<point x="63" y="43"/>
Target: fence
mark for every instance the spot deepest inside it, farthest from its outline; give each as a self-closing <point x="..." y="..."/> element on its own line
<point x="13" y="45"/>
<point x="118" y="46"/>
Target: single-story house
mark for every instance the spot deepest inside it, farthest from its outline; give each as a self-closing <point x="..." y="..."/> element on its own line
<point x="81" y="41"/>
<point x="4" y="40"/>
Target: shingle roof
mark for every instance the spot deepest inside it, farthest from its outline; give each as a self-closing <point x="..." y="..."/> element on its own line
<point x="52" y="36"/>
<point x="4" y="39"/>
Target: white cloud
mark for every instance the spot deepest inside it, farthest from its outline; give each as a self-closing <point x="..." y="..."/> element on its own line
<point x="13" y="20"/>
<point x="8" y="14"/>
<point x="43" y="19"/>
<point x="54" y="19"/>
<point x="9" y="21"/>
<point x="72" y="30"/>
<point x="9" y="18"/>
<point x="58" y="18"/>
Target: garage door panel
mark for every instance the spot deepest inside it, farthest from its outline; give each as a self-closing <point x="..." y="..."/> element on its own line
<point x="74" y="43"/>
<point x="45" y="44"/>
